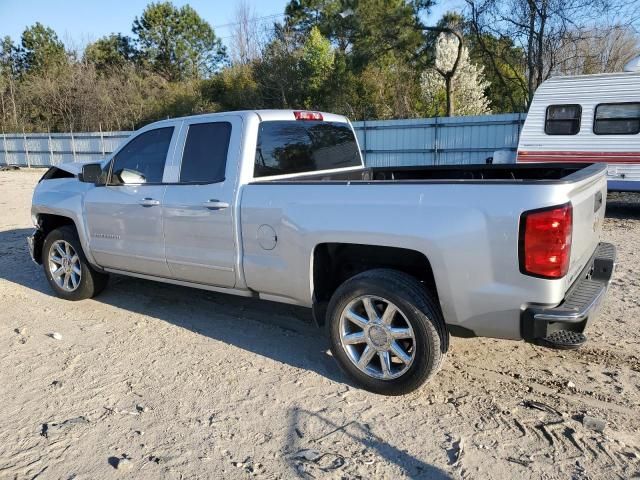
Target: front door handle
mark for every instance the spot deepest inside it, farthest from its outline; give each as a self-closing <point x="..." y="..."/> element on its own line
<point x="215" y="204"/>
<point x="149" y="202"/>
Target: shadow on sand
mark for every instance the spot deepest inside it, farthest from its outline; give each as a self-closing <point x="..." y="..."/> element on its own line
<point x="227" y="318"/>
<point x="285" y="334"/>
<point x="623" y="205"/>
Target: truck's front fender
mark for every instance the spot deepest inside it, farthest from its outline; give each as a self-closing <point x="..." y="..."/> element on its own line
<point x="64" y="198"/>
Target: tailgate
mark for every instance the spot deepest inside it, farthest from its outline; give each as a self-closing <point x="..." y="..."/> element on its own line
<point x="588" y="198"/>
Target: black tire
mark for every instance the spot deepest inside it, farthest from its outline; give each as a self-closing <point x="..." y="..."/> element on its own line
<point x="421" y="311"/>
<point x="91" y="282"/>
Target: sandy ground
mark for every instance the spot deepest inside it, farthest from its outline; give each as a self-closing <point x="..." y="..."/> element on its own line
<point x="192" y="384"/>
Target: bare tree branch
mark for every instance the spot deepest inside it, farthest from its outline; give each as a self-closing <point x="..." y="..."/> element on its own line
<point x="553" y="32"/>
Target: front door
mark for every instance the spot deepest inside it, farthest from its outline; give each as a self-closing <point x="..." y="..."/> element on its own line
<point x="198" y="214"/>
<point x="124" y="217"/>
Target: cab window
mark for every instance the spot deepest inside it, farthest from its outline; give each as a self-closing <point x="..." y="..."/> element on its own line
<point x="142" y="159"/>
<point x="205" y="153"/>
<point x="286" y="147"/>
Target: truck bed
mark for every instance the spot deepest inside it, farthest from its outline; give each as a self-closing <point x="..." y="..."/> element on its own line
<point x="480" y="173"/>
<point x="464" y="218"/>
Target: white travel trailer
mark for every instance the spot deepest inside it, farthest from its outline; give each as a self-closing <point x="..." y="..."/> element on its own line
<point x="588" y="118"/>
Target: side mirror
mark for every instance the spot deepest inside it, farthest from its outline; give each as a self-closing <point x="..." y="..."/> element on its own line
<point x="92" y="173"/>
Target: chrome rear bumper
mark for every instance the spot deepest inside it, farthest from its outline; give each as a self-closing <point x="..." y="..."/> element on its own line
<point x="580" y="305"/>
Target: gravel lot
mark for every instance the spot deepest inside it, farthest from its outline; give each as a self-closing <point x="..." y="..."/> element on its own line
<point x="192" y="384"/>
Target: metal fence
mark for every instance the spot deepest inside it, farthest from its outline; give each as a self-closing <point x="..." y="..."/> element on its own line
<point x="44" y="149"/>
<point x="437" y="141"/>
<point x="429" y="141"/>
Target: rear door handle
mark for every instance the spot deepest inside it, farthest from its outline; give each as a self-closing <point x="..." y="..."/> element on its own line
<point x="215" y="204"/>
<point x="149" y="202"/>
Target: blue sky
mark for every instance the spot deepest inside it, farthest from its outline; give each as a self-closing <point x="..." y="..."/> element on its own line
<point x="78" y="22"/>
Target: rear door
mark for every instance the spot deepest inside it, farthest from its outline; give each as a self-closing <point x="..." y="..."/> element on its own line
<point x="198" y="213"/>
<point x="124" y="217"/>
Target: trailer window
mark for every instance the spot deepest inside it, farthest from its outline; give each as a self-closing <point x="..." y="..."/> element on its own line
<point x="562" y="120"/>
<point x="617" y="119"/>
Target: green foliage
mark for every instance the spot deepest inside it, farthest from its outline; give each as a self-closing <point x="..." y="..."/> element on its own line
<point x="234" y="88"/>
<point x="177" y="43"/>
<point x="361" y="58"/>
<point x="77" y="97"/>
<point x="113" y="51"/>
<point x="335" y="19"/>
<point x="9" y="58"/>
<point x="316" y="65"/>
<point x="278" y="73"/>
<point x="504" y="70"/>
<point x="390" y="88"/>
<point x="294" y="73"/>
<point x="10" y="61"/>
<point x="176" y="99"/>
<point x="302" y="15"/>
<point x="375" y="43"/>
<point x="386" y="26"/>
<point x="42" y="49"/>
<point x="365" y="28"/>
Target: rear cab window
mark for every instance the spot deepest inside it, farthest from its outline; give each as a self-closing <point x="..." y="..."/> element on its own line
<point x="617" y="119"/>
<point x="295" y="146"/>
<point x="562" y="119"/>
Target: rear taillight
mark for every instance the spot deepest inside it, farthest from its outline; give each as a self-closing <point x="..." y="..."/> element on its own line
<point x="304" y="115"/>
<point x="545" y="241"/>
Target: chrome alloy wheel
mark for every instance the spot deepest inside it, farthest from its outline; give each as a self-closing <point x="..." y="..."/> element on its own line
<point x="377" y="337"/>
<point x="64" y="265"/>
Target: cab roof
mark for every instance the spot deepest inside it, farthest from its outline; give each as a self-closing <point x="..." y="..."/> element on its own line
<point x="263" y="115"/>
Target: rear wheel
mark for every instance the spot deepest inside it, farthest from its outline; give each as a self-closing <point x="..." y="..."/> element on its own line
<point x="66" y="267"/>
<point x="387" y="332"/>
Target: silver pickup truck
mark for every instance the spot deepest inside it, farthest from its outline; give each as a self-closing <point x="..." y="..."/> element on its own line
<point x="278" y="205"/>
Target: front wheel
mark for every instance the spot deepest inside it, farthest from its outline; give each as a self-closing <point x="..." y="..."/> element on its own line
<point x="66" y="267"/>
<point x="387" y="331"/>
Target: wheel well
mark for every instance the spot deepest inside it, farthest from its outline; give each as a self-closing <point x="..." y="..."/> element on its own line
<point x="334" y="263"/>
<point x="47" y="223"/>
